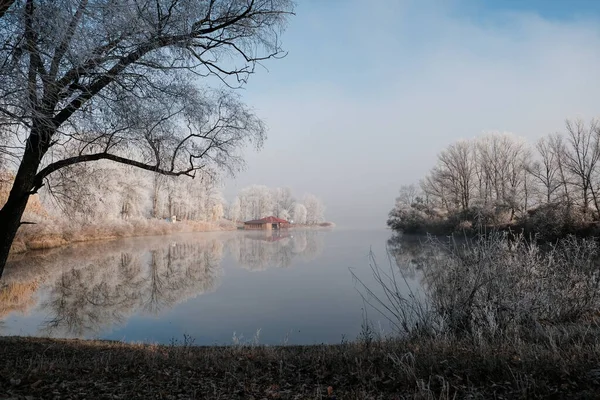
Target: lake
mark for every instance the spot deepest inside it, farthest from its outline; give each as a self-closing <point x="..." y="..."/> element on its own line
<point x="291" y="287"/>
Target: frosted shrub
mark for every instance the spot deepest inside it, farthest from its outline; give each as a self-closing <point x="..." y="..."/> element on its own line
<point x="495" y="285"/>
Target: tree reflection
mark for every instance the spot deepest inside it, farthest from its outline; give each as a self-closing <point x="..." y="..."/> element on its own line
<point x="16" y="297"/>
<point x="86" y="300"/>
<point x="409" y="254"/>
<point x="179" y="272"/>
<point x="259" y="251"/>
<point x="88" y="288"/>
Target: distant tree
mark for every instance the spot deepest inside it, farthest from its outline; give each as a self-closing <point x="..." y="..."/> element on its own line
<point x="500" y="159"/>
<point x="546" y="169"/>
<point x="559" y="148"/>
<point x="256" y="202"/>
<point x="235" y="211"/>
<point x="283" y="202"/>
<point x="456" y="170"/>
<point x="88" y="80"/>
<point x="408" y="194"/>
<point x="581" y="157"/>
<point x="299" y="214"/>
<point x="285" y="214"/>
<point x="315" y="210"/>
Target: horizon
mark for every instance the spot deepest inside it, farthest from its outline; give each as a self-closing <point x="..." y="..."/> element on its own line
<point x="354" y="112"/>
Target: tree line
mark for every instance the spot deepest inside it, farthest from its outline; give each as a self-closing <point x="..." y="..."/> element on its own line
<point x="108" y="191"/>
<point x="500" y="179"/>
<point x="258" y="201"/>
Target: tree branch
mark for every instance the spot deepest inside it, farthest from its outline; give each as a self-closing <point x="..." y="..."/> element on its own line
<point x="4" y="6"/>
<point x="38" y="181"/>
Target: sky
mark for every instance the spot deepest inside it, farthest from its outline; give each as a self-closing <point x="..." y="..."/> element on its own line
<point x="371" y="92"/>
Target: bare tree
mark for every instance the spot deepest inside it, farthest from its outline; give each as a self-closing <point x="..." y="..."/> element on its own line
<point x="559" y="150"/>
<point x="582" y="157"/>
<point x="408" y="194"/>
<point x="456" y="169"/>
<point x="85" y="80"/>
<point x="546" y="170"/>
<point x="435" y="190"/>
<point x="500" y="159"/>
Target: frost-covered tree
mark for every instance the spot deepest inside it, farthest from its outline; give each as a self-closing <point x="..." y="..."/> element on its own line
<point x="299" y="214"/>
<point x="108" y="191"/>
<point x="499" y="178"/>
<point x="256" y="202"/>
<point x="408" y="194"/>
<point x="235" y="211"/>
<point x="546" y="169"/>
<point x="315" y="210"/>
<point x="283" y="202"/>
<point x="500" y="158"/>
<point x="89" y="80"/>
<point x="99" y="192"/>
<point x="582" y="159"/>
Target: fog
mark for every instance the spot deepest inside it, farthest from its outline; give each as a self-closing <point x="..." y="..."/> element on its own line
<point x="367" y="97"/>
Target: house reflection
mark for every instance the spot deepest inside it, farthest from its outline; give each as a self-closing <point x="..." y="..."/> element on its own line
<point x="267" y="249"/>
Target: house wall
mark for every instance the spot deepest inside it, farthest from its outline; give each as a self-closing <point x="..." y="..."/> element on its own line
<point x="258" y="227"/>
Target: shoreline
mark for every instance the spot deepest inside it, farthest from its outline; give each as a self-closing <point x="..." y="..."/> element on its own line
<point x="47" y="235"/>
<point x="418" y="368"/>
<point x="50" y="236"/>
<point x="591" y="229"/>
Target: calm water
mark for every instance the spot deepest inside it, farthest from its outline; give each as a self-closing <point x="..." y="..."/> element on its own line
<point x="294" y="288"/>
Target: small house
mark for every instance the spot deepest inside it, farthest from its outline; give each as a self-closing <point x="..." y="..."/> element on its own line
<point x="268" y="223"/>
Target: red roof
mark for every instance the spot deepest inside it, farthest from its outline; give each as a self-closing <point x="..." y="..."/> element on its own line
<point x="268" y="220"/>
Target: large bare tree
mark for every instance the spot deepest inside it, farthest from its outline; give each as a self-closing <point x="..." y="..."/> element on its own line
<point x="127" y="81"/>
<point x="456" y="166"/>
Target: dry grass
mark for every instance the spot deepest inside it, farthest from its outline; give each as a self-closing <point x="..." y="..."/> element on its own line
<point x="17" y="297"/>
<point x="74" y="369"/>
<point x="50" y="234"/>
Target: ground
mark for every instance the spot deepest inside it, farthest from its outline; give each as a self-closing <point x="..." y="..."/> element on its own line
<point x="33" y="368"/>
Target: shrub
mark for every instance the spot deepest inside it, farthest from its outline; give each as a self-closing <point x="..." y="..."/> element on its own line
<point x="492" y="286"/>
<point x="549" y="221"/>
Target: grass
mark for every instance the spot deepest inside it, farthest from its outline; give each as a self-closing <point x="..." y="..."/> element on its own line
<point x="389" y="369"/>
<point x="50" y="234"/>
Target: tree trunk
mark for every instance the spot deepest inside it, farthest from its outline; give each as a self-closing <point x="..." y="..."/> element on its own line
<point x="13" y="209"/>
<point x="10" y="219"/>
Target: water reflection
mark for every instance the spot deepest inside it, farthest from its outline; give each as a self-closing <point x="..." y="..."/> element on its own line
<point x="262" y="250"/>
<point x="408" y="253"/>
<point x="85" y="289"/>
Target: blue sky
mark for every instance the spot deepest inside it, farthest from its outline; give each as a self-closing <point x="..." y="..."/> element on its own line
<point x="551" y="9"/>
<point x="369" y="95"/>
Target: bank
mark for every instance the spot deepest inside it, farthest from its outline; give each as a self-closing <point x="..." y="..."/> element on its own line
<point x="48" y="234"/>
<point x="32" y="368"/>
